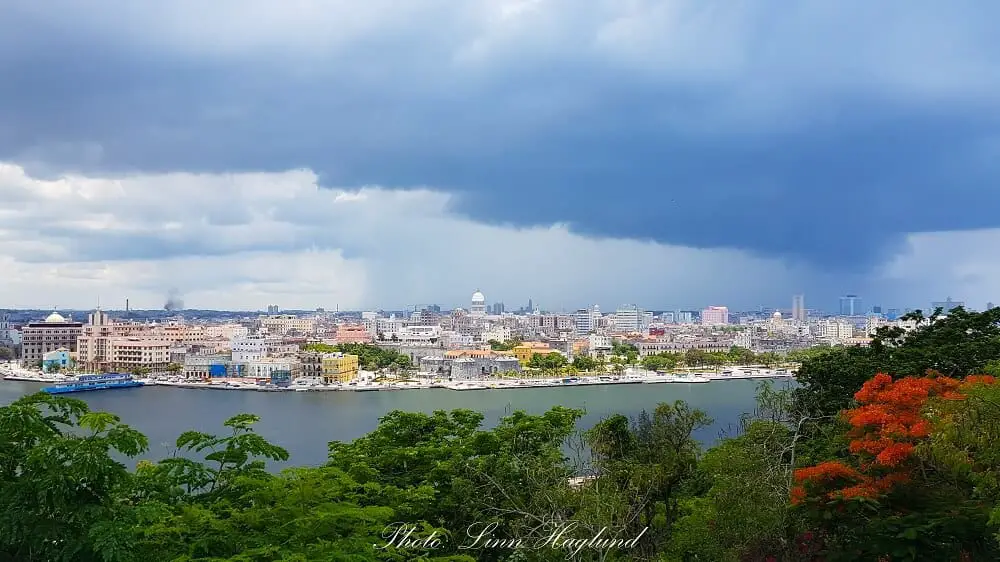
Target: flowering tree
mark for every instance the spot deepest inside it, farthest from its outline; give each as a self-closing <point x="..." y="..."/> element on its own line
<point x="885" y="430"/>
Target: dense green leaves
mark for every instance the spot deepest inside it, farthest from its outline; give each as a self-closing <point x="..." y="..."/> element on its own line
<point x="370" y="357"/>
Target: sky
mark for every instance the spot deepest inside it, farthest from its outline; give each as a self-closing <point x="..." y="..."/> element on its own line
<point x="669" y="153"/>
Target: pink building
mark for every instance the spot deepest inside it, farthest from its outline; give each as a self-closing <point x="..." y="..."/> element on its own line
<point x="352" y="333"/>
<point x="715" y="315"/>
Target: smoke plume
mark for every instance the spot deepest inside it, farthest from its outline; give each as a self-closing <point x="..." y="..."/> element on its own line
<point x="174" y="301"/>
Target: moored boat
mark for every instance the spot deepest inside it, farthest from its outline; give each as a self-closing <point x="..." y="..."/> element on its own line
<point x="94" y="382"/>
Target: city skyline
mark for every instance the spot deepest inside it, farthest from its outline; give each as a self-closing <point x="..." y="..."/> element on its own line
<point x="647" y="151"/>
<point x="799" y="308"/>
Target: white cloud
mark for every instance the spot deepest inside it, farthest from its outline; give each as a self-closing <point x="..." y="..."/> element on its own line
<point x="246" y="240"/>
<point x="962" y="265"/>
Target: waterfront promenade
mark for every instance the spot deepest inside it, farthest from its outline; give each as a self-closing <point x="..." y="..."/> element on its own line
<point x="12" y="371"/>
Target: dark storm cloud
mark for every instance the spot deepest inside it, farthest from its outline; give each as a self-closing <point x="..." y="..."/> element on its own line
<point x="835" y="179"/>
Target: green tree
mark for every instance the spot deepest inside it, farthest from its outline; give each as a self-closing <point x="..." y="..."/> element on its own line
<point x="60" y="490"/>
<point x="584" y="363"/>
<point x="664" y="361"/>
<point x="695" y="357"/>
<point x="643" y="463"/>
<point x="548" y="361"/>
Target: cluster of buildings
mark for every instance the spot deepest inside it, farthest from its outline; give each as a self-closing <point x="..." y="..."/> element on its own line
<point x="480" y="341"/>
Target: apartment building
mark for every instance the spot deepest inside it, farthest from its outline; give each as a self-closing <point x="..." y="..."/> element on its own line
<point x="51" y="334"/>
<point x="281" y="324"/>
<point x="129" y="354"/>
<point x="339" y="367"/>
<point x="715" y="316"/>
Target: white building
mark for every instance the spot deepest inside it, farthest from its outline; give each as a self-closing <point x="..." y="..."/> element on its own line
<point x="252" y="347"/>
<point x="745" y="339"/>
<point x="226" y="331"/>
<point x="281" y="324"/>
<point x="265" y="367"/>
<point x="836" y="330"/>
<point x="598" y="344"/>
<point x="387" y="327"/>
<point x="498" y="333"/>
<point x="629" y="319"/>
<point x="418" y="335"/>
<point x="587" y="320"/>
<point x="478" y="307"/>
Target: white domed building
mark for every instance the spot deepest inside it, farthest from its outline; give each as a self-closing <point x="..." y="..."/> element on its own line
<point x="52" y="334"/>
<point x="478" y="307"/>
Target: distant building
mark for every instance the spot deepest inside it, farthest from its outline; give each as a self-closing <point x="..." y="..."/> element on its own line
<point x="587" y="320"/>
<point x="629" y="319"/>
<point x="272" y="309"/>
<point x="715" y="316"/>
<point x="799" y="308"/>
<point x="352" y="333"/>
<point x="990" y="306"/>
<point x="946" y="305"/>
<point x="478" y="307"/>
<point x="850" y="305"/>
<point x="51" y="334"/>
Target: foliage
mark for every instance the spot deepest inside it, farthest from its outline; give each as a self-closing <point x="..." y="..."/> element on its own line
<point x="370" y="357"/>
<point x="644" y="463"/>
<point x="585" y="363"/>
<point x="553" y="360"/>
<point x="627" y="351"/>
<point x="504" y="346"/>
<point x="885" y="478"/>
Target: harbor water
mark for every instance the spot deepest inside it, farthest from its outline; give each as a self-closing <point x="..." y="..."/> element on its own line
<point x="304" y="422"/>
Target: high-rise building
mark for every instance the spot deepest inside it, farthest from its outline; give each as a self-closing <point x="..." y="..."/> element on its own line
<point x="850" y="305"/>
<point x="272" y="309"/>
<point x="799" y="308"/>
<point x="990" y="305"/>
<point x="946" y="305"/>
<point x="628" y="318"/>
<point x="715" y="316"/>
<point x="587" y="320"/>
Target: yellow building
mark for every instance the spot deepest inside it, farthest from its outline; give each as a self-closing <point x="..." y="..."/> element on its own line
<point x="525" y="351"/>
<point x="339" y="367"/>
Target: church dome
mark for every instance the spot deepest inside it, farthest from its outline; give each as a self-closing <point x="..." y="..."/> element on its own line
<point x="776" y="315"/>
<point x="478" y="297"/>
<point x="54" y="318"/>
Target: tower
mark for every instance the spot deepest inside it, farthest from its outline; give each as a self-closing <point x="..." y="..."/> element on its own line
<point x="799" y="308"/>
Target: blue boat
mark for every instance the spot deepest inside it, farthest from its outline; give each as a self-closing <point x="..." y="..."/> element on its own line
<point x="84" y="383"/>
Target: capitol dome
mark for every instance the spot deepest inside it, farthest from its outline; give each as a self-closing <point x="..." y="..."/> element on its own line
<point x="54" y="318"/>
<point x="478" y="297"/>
